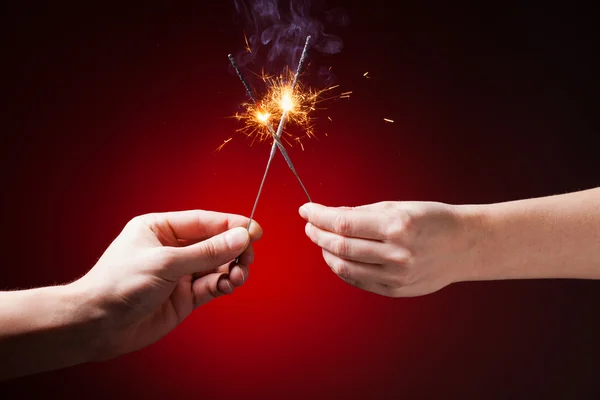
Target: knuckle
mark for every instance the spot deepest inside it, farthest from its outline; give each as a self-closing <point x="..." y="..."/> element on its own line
<point x="342" y="270"/>
<point x="342" y="223"/>
<point x="340" y="246"/>
<point x="210" y="250"/>
<point x="399" y="258"/>
<point x="398" y="227"/>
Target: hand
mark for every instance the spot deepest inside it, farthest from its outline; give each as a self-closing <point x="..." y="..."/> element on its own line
<point x="396" y="249"/>
<point x="159" y="269"/>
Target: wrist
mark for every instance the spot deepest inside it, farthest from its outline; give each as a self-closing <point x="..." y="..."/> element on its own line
<point x="88" y="322"/>
<point x="473" y="238"/>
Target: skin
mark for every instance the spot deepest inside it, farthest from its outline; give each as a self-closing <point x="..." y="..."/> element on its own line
<point x="163" y="266"/>
<point x="158" y="270"/>
<point x="405" y="249"/>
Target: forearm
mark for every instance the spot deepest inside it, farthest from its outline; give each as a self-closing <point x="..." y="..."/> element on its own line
<point x="44" y="329"/>
<point x="550" y="237"/>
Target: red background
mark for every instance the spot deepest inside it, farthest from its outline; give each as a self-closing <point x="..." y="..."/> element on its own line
<point x="115" y="112"/>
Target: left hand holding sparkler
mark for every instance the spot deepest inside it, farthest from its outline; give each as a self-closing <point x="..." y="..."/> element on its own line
<point x="395" y="249"/>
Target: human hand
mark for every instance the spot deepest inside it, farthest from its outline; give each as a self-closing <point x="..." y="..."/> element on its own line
<point x="395" y="249"/>
<point x="159" y="269"/>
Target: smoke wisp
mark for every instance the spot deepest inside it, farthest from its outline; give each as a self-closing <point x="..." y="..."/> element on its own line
<point x="276" y="31"/>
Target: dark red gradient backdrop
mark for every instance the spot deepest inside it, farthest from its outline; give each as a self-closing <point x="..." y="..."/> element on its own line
<point x="113" y="112"/>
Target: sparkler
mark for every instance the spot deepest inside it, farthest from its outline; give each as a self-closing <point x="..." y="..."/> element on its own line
<point x="287" y="106"/>
<point x="263" y="117"/>
<point x="285" y="101"/>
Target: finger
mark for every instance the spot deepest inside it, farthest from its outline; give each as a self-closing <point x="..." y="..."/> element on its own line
<point x="224" y="284"/>
<point x="353" y="271"/>
<point x="238" y="275"/>
<point x="209" y="254"/>
<point x="210" y="287"/>
<point x="239" y="272"/>
<point x="354" y="223"/>
<point x="245" y="259"/>
<point x="198" y="225"/>
<point x="362" y="250"/>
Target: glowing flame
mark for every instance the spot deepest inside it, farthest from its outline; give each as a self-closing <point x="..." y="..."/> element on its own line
<point x="262" y="116"/>
<point x="298" y="106"/>
<point x="287" y="101"/>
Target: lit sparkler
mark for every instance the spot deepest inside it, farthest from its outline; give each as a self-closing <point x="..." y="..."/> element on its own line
<point x="279" y="102"/>
<point x="288" y="105"/>
<point x="298" y="104"/>
<point x="286" y="100"/>
<point x="262" y="115"/>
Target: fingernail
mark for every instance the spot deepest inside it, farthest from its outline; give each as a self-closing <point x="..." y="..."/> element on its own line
<point x="236" y="237"/>
<point x="304" y="211"/>
<point x="307" y="228"/>
<point x="224" y="286"/>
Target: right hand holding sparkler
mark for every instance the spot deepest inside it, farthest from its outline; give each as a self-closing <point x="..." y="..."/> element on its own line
<point x="405" y="249"/>
<point x="395" y="249"/>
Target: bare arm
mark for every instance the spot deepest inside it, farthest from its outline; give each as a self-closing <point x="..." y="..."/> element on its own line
<point x="414" y="248"/>
<point x="548" y="237"/>
<point x="46" y="328"/>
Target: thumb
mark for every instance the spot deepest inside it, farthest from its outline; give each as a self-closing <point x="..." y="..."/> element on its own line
<point x="211" y="253"/>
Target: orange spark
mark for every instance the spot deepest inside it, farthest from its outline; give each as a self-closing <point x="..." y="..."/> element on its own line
<point x="224" y="143"/>
<point x="247" y="48"/>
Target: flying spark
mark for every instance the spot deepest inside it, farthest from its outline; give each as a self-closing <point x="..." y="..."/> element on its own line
<point x="247" y="48"/>
<point x="224" y="143"/>
<point x="388" y="120"/>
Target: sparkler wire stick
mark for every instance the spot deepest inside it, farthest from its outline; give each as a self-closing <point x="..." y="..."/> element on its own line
<point x="280" y="130"/>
